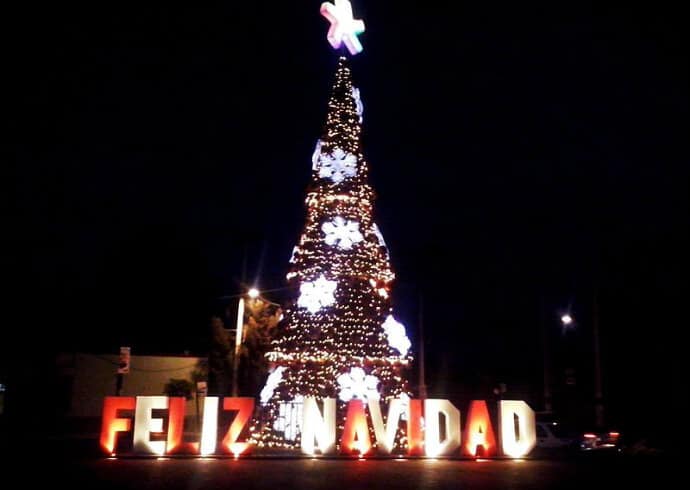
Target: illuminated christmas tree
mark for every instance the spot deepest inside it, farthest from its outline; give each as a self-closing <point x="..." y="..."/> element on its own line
<point x="339" y="338"/>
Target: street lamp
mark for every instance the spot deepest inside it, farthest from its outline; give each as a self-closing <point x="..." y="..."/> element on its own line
<point x="253" y="293"/>
<point x="568" y="322"/>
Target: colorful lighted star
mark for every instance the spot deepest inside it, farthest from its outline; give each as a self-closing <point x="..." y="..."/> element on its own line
<point x="344" y="29"/>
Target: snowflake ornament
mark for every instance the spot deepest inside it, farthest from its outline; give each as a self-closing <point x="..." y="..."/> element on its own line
<point x="357" y="384"/>
<point x="317" y="294"/>
<point x="337" y="166"/>
<point x="358" y="104"/>
<point x="379" y="236"/>
<point x="405" y="399"/>
<point x="293" y="257"/>
<point x="397" y="337"/>
<point x="272" y="382"/>
<point x="341" y="232"/>
<point x="316" y="155"/>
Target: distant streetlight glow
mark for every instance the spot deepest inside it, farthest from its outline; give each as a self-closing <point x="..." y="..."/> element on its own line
<point x="253" y="293"/>
<point x="566" y="319"/>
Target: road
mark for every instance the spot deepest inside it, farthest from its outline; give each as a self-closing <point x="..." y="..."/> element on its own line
<point x="311" y="474"/>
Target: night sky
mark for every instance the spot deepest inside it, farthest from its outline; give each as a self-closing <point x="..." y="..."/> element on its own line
<point x="524" y="157"/>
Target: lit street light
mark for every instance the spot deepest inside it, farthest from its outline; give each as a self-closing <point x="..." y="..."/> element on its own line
<point x="253" y="293"/>
<point x="568" y="323"/>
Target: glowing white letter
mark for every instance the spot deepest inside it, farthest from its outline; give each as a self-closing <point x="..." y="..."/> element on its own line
<point x="209" y="426"/>
<point x="144" y="424"/>
<point x="314" y="426"/>
<point x="385" y="433"/>
<point x="432" y="431"/>
<point x="518" y="428"/>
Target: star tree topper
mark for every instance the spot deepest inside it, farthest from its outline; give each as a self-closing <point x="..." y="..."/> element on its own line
<point x="344" y="29"/>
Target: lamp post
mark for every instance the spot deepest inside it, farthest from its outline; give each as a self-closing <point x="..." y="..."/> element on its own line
<point x="546" y="358"/>
<point x="598" y="392"/>
<point x="253" y="293"/>
<point x="422" y="374"/>
<point x="568" y="322"/>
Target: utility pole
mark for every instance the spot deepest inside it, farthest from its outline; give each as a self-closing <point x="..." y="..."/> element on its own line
<point x="548" y="407"/>
<point x="598" y="392"/>
<point x="238" y="343"/>
<point x="422" y="375"/>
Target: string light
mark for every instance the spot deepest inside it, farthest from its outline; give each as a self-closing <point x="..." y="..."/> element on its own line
<point x="344" y="336"/>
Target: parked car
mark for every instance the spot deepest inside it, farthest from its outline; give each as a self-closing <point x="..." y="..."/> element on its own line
<point x="601" y="441"/>
<point x="551" y="435"/>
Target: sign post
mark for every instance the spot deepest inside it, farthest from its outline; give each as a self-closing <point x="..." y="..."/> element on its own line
<point x="201" y="390"/>
<point x="122" y="369"/>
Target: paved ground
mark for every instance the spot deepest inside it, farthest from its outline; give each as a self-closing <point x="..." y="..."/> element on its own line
<point x="307" y="474"/>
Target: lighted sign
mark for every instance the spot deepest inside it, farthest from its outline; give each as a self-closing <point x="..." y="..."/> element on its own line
<point x="145" y="424"/>
<point x="385" y="433"/>
<point x="415" y="432"/>
<point x="244" y="408"/>
<point x="175" y="443"/>
<point x="344" y="29"/>
<point x="433" y="444"/>
<point x="112" y="424"/>
<point x="355" y="439"/>
<point x="479" y="439"/>
<point x="317" y="426"/>
<point x="432" y="429"/>
<point x="209" y="426"/>
<point x="518" y="428"/>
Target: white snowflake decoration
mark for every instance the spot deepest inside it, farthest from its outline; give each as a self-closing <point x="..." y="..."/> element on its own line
<point x="272" y="382"/>
<point x="341" y="232"/>
<point x="379" y="235"/>
<point x="397" y="337"/>
<point x="316" y="155"/>
<point x="337" y="166"/>
<point x="293" y="257"/>
<point x="359" y="106"/>
<point x="317" y="294"/>
<point x="357" y="384"/>
<point x="405" y="399"/>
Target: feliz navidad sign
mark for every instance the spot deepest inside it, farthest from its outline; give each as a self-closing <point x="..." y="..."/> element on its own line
<point x="155" y="426"/>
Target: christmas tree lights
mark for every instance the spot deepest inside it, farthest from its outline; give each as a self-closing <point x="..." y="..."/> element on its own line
<point x="339" y="340"/>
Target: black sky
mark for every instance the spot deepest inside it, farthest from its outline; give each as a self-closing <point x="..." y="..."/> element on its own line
<point x="522" y="155"/>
